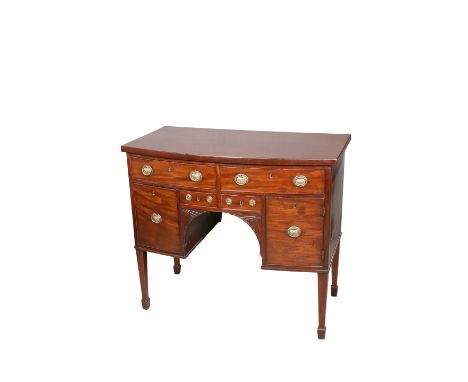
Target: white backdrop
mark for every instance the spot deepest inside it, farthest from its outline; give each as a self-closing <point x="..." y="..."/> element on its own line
<point x="80" y="78"/>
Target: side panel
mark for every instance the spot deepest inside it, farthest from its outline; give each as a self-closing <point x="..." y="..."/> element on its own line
<point x="336" y="206"/>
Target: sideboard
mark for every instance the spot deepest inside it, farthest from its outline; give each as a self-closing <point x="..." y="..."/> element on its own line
<point x="288" y="187"/>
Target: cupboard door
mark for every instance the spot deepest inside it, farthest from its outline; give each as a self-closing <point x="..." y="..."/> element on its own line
<point x="294" y="232"/>
<point x="156" y="214"/>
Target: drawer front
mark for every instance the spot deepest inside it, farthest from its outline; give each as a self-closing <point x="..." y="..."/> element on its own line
<point x="174" y="173"/>
<point x="232" y="202"/>
<point x="198" y="199"/>
<point x="273" y="180"/>
<point x="157" y="223"/>
<point x="294" y="232"/>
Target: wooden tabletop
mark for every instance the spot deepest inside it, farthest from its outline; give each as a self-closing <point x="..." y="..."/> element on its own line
<point x="240" y="146"/>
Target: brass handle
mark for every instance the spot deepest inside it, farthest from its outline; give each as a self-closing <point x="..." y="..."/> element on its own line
<point x="209" y="198"/>
<point x="294" y="231"/>
<point x="300" y="180"/>
<point x="156" y="218"/>
<point x="188" y="197"/>
<point x="146" y="170"/>
<point x="241" y="179"/>
<point x="195" y="176"/>
<point x="228" y="201"/>
<point x="252" y="202"/>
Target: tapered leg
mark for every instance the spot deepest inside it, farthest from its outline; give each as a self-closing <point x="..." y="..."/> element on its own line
<point x="336" y="260"/>
<point x="322" y="303"/>
<point x="177" y="265"/>
<point x="143" y="271"/>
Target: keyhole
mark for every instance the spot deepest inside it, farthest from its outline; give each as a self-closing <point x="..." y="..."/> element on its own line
<point x="241" y="203"/>
<point x="271" y="175"/>
<point x="295" y="205"/>
<point x="169" y="169"/>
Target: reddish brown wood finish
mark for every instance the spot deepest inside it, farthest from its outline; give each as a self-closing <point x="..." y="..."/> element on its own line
<point x="143" y="271"/>
<point x="149" y="200"/>
<point x="335" y="263"/>
<point x="240" y="146"/>
<point x="190" y="209"/>
<point x="322" y="279"/>
<point x="241" y="203"/>
<point x="177" y="266"/>
<point x="272" y="180"/>
<point x="172" y="173"/>
<point x="197" y="199"/>
<point x="196" y="224"/>
<point x="336" y="203"/>
<point x="305" y="250"/>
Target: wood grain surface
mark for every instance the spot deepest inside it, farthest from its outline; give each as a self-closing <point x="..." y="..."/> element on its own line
<point x="272" y="180"/>
<point x="305" y="250"/>
<point x="173" y="173"/>
<point x="240" y="146"/>
<point x="148" y="200"/>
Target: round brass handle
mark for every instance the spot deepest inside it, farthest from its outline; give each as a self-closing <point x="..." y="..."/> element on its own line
<point x="188" y="197"/>
<point x="300" y="180"/>
<point x="228" y="201"/>
<point x="241" y="179"/>
<point x="209" y="198"/>
<point x="146" y="170"/>
<point x="294" y="231"/>
<point x="156" y="218"/>
<point x="195" y="176"/>
<point x="252" y="202"/>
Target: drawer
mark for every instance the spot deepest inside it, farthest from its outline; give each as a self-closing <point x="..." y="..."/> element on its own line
<point x="156" y="218"/>
<point x="294" y="231"/>
<point x="273" y="179"/>
<point x="174" y="173"/>
<point x="198" y="199"/>
<point x="231" y="202"/>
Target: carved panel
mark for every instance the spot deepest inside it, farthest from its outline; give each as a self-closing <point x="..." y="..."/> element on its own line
<point x="195" y="224"/>
<point x="186" y="217"/>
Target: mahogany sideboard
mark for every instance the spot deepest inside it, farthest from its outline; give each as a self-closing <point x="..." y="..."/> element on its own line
<point x="288" y="187"/>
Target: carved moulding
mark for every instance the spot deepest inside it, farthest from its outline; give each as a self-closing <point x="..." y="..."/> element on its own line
<point x="187" y="215"/>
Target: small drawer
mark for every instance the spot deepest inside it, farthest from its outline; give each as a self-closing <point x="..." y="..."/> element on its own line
<point x="241" y="203"/>
<point x="273" y="180"/>
<point x="197" y="199"/>
<point x="156" y="218"/>
<point x="294" y="232"/>
<point x="174" y="173"/>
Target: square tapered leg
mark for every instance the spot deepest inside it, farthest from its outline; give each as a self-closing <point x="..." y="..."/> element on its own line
<point x="177" y="265"/>
<point x="143" y="271"/>
<point x="322" y="303"/>
<point x="336" y="260"/>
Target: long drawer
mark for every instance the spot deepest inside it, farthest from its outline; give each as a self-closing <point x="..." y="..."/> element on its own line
<point x="273" y="180"/>
<point x="173" y="173"/>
